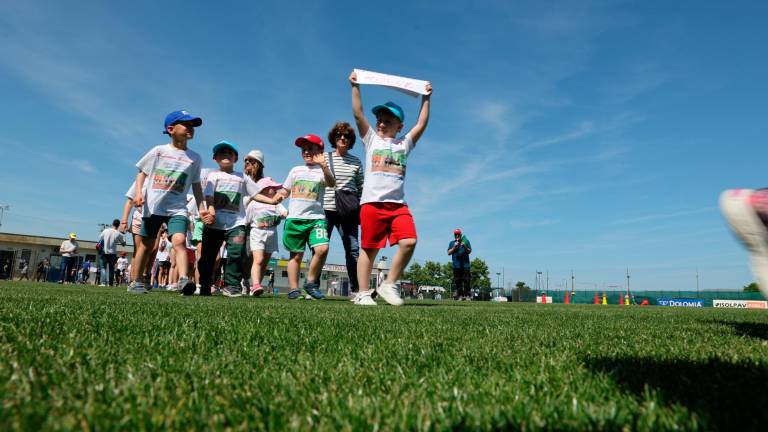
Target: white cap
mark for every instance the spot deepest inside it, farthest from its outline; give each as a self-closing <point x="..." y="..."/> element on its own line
<point x="256" y="154"/>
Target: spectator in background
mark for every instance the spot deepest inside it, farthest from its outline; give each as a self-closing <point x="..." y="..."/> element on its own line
<point x="459" y="250"/>
<point x="68" y="250"/>
<point x="41" y="273"/>
<point x="86" y="271"/>
<point x="348" y="171"/>
<point x="122" y="266"/>
<point x="110" y="238"/>
<point x="24" y="270"/>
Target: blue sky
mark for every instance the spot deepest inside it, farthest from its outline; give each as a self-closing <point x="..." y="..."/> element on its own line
<point x="587" y="136"/>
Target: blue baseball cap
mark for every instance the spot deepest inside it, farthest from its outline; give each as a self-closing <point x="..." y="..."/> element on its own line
<point x="391" y="107"/>
<point x="225" y="144"/>
<point x="180" y="116"/>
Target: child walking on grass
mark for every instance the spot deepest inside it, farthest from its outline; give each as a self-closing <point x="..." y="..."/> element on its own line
<point x="384" y="214"/>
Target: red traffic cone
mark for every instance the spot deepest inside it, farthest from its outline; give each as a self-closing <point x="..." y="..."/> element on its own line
<point x="567" y="298"/>
<point x="597" y="299"/>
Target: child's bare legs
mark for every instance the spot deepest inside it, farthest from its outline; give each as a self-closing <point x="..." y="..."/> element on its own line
<point x="317" y="262"/>
<point x="405" y="249"/>
<point x="198" y="254"/>
<point x="294" y="264"/>
<point x="364" y="267"/>
<point x="143" y="253"/>
<point x="180" y="247"/>
<point x="258" y="267"/>
<point x="173" y="274"/>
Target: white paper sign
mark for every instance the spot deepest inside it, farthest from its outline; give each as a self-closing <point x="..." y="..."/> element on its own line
<point x="409" y="86"/>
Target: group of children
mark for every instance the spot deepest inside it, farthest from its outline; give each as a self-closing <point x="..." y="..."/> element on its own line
<point x="235" y="209"/>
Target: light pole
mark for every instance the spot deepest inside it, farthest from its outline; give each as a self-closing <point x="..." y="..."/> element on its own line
<point x="3" y="209"/>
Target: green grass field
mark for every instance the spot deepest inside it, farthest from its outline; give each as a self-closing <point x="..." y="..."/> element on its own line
<point x="99" y="358"/>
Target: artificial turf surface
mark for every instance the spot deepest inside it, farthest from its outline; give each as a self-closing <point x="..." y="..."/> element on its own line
<point x="74" y="357"/>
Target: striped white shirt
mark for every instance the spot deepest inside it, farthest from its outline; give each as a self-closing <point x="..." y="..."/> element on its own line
<point x="349" y="174"/>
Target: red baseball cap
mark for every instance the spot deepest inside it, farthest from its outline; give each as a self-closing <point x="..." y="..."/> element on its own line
<point x="310" y="139"/>
<point x="457" y="231"/>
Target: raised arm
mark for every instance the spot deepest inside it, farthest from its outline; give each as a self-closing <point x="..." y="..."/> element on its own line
<point x="357" y="106"/>
<point x="421" y="123"/>
<point x="319" y="159"/>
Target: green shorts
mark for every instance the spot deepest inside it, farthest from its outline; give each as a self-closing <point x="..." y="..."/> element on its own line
<point x="298" y="232"/>
<point x="150" y="226"/>
<point x="197" y="234"/>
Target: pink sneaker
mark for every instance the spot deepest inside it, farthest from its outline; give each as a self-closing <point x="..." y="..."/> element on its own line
<point x="256" y="290"/>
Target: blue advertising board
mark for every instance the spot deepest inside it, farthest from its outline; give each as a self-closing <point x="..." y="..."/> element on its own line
<point x="680" y="302"/>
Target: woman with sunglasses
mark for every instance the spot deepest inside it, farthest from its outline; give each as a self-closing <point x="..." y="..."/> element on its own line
<point x="348" y="171"/>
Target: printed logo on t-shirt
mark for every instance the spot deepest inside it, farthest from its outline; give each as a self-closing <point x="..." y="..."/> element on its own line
<point x="227" y="201"/>
<point x="267" y="221"/>
<point x="385" y="160"/>
<point x="305" y="189"/>
<point x="169" y="180"/>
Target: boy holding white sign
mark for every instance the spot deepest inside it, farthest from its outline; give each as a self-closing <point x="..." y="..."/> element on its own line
<point x="384" y="214"/>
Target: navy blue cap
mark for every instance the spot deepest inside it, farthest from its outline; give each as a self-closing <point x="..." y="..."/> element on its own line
<point x="180" y="116"/>
<point x="391" y="107"/>
<point x="225" y="144"/>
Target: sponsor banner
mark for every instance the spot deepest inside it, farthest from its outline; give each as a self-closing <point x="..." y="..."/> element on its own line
<point x="740" y="304"/>
<point x="543" y="299"/>
<point x="680" y="302"/>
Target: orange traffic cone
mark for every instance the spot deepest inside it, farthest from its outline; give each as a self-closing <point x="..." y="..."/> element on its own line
<point x="597" y="299"/>
<point x="567" y="298"/>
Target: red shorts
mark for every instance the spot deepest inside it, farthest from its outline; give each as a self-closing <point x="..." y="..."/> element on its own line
<point x="382" y="221"/>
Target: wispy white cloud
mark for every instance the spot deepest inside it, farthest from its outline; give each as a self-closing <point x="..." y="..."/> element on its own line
<point x="78" y="164"/>
<point x="502" y="118"/>
<point x="658" y="216"/>
<point x="581" y="130"/>
<point x="525" y="224"/>
<point x="640" y="78"/>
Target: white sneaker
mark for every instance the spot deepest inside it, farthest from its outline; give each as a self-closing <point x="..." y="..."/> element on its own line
<point x="364" y="299"/>
<point x="137" y="288"/>
<point x="390" y="293"/>
<point x="355" y="297"/>
<point x="173" y="287"/>
<point x="738" y="210"/>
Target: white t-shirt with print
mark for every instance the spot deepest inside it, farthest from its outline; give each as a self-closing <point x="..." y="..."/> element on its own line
<point x="264" y="216"/>
<point x="307" y="185"/>
<point x="228" y="191"/>
<point x="385" y="162"/>
<point x="171" y="173"/>
<point x="163" y="255"/>
<point x="122" y="263"/>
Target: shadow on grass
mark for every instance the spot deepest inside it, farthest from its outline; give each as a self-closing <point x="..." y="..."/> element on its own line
<point x="750" y="329"/>
<point x="725" y="395"/>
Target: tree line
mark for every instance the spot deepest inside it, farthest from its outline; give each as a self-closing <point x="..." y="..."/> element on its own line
<point x="433" y="273"/>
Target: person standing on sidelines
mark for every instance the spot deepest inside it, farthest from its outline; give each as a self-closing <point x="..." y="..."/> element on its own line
<point x="68" y="250"/>
<point x="122" y="266"/>
<point x="459" y="249"/>
<point x="342" y="202"/>
<point x="110" y="238"/>
<point x="41" y="273"/>
<point x="24" y="270"/>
